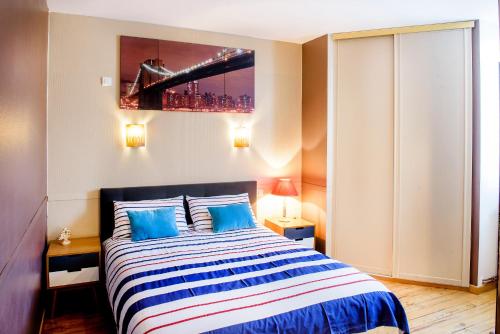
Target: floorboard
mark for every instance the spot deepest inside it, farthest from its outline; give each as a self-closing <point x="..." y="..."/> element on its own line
<point x="434" y="310"/>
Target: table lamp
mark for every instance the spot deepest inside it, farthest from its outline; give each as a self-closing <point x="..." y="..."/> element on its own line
<point x="284" y="188"/>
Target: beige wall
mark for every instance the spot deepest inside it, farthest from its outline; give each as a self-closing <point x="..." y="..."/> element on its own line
<point x="85" y="125"/>
<point x="314" y="134"/>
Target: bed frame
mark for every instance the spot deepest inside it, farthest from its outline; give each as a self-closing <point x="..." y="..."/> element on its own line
<point x="108" y="195"/>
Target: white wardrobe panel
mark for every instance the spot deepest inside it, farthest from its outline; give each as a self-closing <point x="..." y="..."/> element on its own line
<point x="363" y="171"/>
<point x="433" y="116"/>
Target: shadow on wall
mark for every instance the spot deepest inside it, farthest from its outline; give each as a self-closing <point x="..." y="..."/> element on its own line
<point x="314" y="210"/>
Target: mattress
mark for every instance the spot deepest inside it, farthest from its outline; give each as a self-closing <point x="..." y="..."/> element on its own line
<point x="246" y="281"/>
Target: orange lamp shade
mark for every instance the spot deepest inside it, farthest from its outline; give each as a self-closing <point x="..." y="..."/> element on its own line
<point x="241" y="137"/>
<point x="284" y="187"/>
<point x="135" y="135"/>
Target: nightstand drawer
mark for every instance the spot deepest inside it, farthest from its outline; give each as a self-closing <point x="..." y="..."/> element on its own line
<point x="72" y="263"/>
<point x="307" y="242"/>
<point x="299" y="232"/>
<point x="75" y="265"/>
<point x="64" y="278"/>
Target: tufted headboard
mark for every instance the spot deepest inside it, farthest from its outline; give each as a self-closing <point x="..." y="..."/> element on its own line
<point x="108" y="195"/>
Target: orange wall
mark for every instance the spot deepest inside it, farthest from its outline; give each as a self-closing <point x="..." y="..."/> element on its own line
<point x="314" y="134"/>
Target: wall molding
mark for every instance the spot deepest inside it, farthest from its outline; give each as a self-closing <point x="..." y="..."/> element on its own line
<point x="16" y="259"/>
<point x="264" y="183"/>
<point x="8" y="265"/>
<point x="313" y="186"/>
<point x="72" y="197"/>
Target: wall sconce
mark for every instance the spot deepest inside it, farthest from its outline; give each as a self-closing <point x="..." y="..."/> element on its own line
<point x="241" y="137"/>
<point x="135" y="135"/>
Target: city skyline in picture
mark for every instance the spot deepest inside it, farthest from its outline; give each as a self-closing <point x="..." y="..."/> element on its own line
<point x="176" y="76"/>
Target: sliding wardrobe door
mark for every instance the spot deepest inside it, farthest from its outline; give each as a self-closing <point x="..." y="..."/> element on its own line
<point x="363" y="153"/>
<point x="433" y="126"/>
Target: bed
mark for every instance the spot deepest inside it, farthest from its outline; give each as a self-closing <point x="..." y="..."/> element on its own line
<point x="243" y="281"/>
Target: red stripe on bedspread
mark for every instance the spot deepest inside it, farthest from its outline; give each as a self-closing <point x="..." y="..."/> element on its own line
<point x="242" y="297"/>
<point x="256" y="305"/>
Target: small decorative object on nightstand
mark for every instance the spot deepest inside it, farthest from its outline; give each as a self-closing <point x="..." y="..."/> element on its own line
<point x="297" y="229"/>
<point x="74" y="265"/>
<point x="64" y="236"/>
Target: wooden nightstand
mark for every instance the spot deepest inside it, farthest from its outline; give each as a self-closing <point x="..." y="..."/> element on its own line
<point x="297" y="229"/>
<point x="73" y="266"/>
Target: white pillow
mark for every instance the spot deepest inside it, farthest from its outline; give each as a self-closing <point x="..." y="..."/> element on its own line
<point x="122" y="223"/>
<point x="202" y="220"/>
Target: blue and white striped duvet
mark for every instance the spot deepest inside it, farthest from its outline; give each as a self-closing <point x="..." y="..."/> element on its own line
<point x="247" y="281"/>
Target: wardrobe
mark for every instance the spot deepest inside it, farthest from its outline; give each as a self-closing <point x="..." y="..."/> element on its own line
<point x="399" y="151"/>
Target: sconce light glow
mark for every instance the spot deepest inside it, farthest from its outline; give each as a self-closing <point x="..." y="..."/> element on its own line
<point x="135" y="135"/>
<point x="241" y="137"/>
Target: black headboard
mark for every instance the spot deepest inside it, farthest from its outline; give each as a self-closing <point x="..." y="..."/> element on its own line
<point x="108" y="195"/>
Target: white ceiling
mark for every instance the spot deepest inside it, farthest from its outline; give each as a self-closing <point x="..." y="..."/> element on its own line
<point x="286" y="20"/>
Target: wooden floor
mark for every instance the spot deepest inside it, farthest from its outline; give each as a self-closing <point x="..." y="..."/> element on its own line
<point x="434" y="310"/>
<point x="76" y="313"/>
<point x="429" y="311"/>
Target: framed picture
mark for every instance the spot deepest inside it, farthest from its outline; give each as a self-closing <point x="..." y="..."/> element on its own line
<point x="175" y="76"/>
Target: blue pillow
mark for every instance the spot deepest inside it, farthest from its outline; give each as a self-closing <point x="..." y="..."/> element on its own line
<point x="153" y="224"/>
<point x="231" y="217"/>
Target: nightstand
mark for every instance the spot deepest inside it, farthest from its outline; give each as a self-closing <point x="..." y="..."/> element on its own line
<point x="297" y="229"/>
<point x="73" y="266"/>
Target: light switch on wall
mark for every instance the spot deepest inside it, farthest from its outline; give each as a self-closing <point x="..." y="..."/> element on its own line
<point x="106" y="81"/>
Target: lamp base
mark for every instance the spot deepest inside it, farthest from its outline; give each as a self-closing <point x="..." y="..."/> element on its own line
<point x="285" y="220"/>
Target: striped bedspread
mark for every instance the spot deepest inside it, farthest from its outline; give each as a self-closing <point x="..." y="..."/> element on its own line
<point x="247" y="281"/>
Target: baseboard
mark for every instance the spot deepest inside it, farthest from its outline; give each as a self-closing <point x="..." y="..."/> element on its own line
<point x="431" y="285"/>
<point x="40" y="329"/>
<point x="442" y="281"/>
<point x="477" y="290"/>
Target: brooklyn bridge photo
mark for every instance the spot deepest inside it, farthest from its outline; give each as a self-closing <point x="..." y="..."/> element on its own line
<point x="175" y="76"/>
